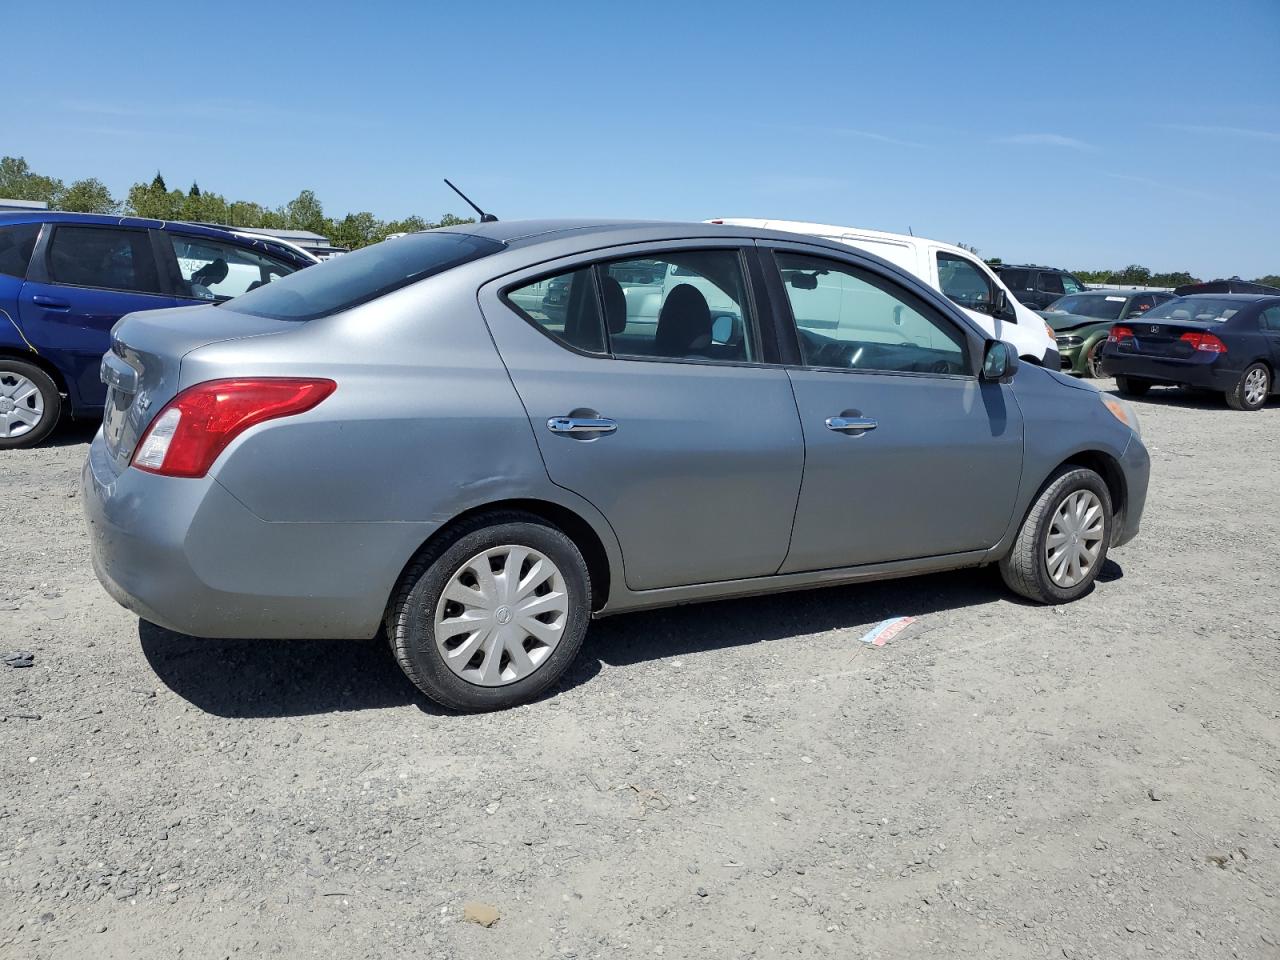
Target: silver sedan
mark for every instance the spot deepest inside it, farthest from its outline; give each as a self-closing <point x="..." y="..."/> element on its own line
<point x="478" y="439"/>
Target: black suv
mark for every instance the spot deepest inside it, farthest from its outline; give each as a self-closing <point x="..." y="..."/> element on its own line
<point x="1036" y="286"/>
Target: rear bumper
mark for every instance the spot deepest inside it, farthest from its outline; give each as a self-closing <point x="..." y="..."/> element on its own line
<point x="1207" y="373"/>
<point x="189" y="556"/>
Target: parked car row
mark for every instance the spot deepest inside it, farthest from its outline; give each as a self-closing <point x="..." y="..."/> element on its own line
<point x="479" y="438"/>
<point x="66" y="278"/>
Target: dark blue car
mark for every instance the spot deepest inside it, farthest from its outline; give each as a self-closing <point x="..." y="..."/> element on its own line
<point x="66" y="278"/>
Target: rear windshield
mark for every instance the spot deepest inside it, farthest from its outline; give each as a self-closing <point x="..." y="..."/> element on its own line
<point x="1098" y="306"/>
<point x="1203" y="309"/>
<point x="354" y="278"/>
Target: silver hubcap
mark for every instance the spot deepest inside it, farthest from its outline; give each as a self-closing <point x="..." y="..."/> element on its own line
<point x="501" y="615"/>
<point x="1075" y="538"/>
<point x="21" y="405"/>
<point x="1255" y="387"/>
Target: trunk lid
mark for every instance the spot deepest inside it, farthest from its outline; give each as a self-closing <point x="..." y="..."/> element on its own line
<point x="143" y="366"/>
<point x="1163" y="338"/>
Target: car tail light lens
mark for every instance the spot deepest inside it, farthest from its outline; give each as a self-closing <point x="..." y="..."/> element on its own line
<point x="1118" y="334"/>
<point x="1204" y="341"/>
<point x="196" y="425"/>
<point x="1053" y="334"/>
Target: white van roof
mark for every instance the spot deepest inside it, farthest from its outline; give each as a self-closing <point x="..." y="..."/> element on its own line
<point x="838" y="232"/>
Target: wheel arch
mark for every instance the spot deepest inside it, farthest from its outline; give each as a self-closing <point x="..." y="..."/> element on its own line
<point x="565" y="519"/>
<point x="36" y="360"/>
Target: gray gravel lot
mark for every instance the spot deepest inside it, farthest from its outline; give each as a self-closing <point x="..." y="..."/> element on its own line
<point x="728" y="780"/>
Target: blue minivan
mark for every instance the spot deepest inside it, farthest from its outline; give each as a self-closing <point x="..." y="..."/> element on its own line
<point x="66" y="278"/>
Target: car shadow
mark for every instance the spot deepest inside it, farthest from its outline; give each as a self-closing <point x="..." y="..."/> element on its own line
<point x="281" y="678"/>
<point x="71" y="432"/>
<point x="1162" y="396"/>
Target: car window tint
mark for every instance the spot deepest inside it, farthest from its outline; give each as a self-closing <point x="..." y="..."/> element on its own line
<point x="1070" y="284"/>
<point x="103" y="257"/>
<point x="680" y="305"/>
<point x="1271" y="319"/>
<point x="1050" y="283"/>
<point x="1140" y="305"/>
<point x="213" y="270"/>
<point x="1016" y="279"/>
<point x="16" y="244"/>
<point x="366" y="274"/>
<point x="564" y="306"/>
<point x="963" y="282"/>
<point x="849" y="319"/>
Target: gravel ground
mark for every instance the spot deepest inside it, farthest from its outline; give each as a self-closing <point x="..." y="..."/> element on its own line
<point x="741" y="779"/>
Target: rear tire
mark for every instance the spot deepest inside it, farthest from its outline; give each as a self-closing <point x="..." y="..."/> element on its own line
<point x="30" y="404"/>
<point x="1074" y="509"/>
<point x="506" y="663"/>
<point x="1132" y="387"/>
<point x="1252" y="389"/>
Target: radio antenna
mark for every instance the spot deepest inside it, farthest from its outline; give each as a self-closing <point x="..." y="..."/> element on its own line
<point x="484" y="217"/>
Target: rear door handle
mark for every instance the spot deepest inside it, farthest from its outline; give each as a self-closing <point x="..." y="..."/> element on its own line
<point x="851" y="424"/>
<point x="582" y="425"/>
<point x="53" y="303"/>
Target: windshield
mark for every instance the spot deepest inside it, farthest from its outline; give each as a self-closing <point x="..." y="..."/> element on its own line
<point x="1200" y="309"/>
<point x="1098" y="306"/>
<point x="354" y="278"/>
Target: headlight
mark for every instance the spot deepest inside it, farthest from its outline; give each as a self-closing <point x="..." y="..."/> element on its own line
<point x="1070" y="341"/>
<point x="1122" y="411"/>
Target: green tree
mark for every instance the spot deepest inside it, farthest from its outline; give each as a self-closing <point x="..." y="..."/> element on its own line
<point x="157" y="183"/>
<point x="305" y="212"/>
<point x="88" y="196"/>
<point x="19" y="182"/>
<point x="195" y="189"/>
<point x="1271" y="280"/>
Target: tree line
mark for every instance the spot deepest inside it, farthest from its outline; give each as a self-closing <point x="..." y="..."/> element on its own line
<point x="154" y="200"/>
<point x="1134" y="275"/>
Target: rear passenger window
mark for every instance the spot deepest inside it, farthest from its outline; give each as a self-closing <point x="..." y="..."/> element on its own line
<point x="108" y="258"/>
<point x="1016" y="279"/>
<point x="1051" y="283"/>
<point x="1271" y="319"/>
<point x="847" y="319"/>
<point x="16" y="244"/>
<point x="681" y="306"/>
<point x="565" y="307"/>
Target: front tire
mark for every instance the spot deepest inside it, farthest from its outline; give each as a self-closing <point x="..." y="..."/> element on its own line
<point x="30" y="404"/>
<point x="1063" y="541"/>
<point x="1132" y="387"/>
<point x="492" y="617"/>
<point x="1251" y="390"/>
<point x="1093" y="361"/>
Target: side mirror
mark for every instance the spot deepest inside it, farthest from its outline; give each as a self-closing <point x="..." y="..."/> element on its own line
<point x="999" y="361"/>
<point x="1000" y="305"/>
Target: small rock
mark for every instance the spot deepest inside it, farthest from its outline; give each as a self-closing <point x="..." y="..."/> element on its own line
<point x="701" y="891"/>
<point x="20" y="658"/>
<point x="482" y="913"/>
<point x="1155" y="794"/>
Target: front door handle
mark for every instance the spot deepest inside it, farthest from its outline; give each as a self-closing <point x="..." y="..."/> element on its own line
<point x="582" y="425"/>
<point x="53" y="303"/>
<point x="856" y="425"/>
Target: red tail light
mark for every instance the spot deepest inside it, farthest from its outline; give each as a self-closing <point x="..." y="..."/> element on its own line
<point x="196" y="425"/>
<point x="1204" y="341"/>
<point x="1120" y="333"/>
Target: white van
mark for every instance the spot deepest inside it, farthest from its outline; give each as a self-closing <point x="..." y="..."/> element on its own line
<point x="954" y="272"/>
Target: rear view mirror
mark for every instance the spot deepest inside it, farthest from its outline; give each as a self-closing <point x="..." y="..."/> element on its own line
<point x="803" y="281"/>
<point x="999" y="361"/>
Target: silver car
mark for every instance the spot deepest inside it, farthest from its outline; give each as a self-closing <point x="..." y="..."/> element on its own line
<point x="475" y="439"/>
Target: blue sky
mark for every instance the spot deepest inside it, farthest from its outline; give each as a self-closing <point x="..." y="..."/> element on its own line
<point x="1091" y="135"/>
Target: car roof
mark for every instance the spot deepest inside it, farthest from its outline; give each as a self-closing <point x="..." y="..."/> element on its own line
<point x="107" y="220"/>
<point x="1241" y="297"/>
<point x="832" y="231"/>
<point x="521" y="233"/>
<point x="1027" y="266"/>
<point x="1119" y="291"/>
